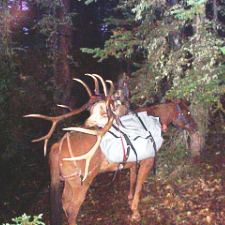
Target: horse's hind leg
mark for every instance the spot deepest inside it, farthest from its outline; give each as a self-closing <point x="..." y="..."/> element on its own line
<point x="145" y="166"/>
<point x="74" y="194"/>
<point x="133" y="178"/>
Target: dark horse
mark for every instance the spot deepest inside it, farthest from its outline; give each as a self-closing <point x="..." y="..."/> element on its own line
<point x="78" y="143"/>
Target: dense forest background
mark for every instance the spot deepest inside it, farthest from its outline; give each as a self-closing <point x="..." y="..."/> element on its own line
<point x="168" y="49"/>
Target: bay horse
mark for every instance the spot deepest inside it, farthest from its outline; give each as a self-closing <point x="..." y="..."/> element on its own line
<point x="74" y="191"/>
<point x="84" y="145"/>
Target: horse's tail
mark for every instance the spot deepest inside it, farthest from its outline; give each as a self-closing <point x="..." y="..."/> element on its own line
<point x="55" y="187"/>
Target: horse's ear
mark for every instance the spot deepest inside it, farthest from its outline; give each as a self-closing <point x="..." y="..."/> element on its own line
<point x="167" y="100"/>
<point x="177" y="101"/>
<point x="174" y="100"/>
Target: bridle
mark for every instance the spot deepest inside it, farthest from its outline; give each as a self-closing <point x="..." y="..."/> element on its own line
<point x="181" y="117"/>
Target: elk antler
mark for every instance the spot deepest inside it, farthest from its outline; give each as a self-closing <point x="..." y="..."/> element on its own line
<point x="96" y="83"/>
<point x="85" y="86"/>
<point x="102" y="82"/>
<point x="100" y="132"/>
<point x="88" y="156"/>
<point x="65" y="107"/>
<point x="112" y="88"/>
<point x="96" y="90"/>
<point x="56" y="119"/>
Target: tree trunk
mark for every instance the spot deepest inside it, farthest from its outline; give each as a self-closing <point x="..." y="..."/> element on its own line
<point x="215" y="17"/>
<point x="62" y="73"/>
<point x="201" y="116"/>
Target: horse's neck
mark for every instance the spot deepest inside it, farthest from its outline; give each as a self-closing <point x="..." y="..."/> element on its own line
<point x="163" y="111"/>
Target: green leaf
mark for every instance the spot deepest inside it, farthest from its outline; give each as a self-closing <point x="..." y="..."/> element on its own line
<point x="223" y="50"/>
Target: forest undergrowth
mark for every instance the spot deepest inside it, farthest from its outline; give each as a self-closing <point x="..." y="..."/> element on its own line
<point x="184" y="191"/>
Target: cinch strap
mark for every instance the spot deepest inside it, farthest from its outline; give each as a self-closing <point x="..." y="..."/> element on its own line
<point x="152" y="140"/>
<point x="129" y="143"/>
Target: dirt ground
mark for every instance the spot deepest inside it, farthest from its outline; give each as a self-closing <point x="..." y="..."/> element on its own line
<point x="184" y="191"/>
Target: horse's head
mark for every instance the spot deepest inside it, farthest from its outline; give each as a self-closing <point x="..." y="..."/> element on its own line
<point x="183" y="119"/>
<point x="182" y="116"/>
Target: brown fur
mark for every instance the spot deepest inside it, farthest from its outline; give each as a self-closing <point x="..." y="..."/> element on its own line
<point x="168" y="113"/>
<point x="74" y="191"/>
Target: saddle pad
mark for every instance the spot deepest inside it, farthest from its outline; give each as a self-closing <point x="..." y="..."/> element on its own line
<point x="112" y="146"/>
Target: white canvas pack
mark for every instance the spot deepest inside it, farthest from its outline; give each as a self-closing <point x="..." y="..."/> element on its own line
<point x="112" y="147"/>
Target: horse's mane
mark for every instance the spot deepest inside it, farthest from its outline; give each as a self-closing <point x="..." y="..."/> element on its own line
<point x="145" y="105"/>
<point x="153" y="105"/>
<point x="150" y="104"/>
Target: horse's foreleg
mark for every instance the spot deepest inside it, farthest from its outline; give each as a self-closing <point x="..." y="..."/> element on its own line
<point x="133" y="178"/>
<point x="145" y="166"/>
<point x="74" y="194"/>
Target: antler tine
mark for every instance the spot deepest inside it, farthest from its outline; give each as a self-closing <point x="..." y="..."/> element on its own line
<point x="81" y="129"/>
<point x="96" y="83"/>
<point x="49" y="134"/>
<point x="65" y="107"/>
<point x="103" y="84"/>
<point x="55" y="120"/>
<point x="85" y="86"/>
<point x="39" y="116"/>
<point x="88" y="156"/>
<point x="112" y="88"/>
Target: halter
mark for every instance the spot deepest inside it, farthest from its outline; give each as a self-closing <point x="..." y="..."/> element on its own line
<point x="181" y="116"/>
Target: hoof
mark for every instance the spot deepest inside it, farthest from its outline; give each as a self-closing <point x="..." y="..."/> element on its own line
<point x="135" y="217"/>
